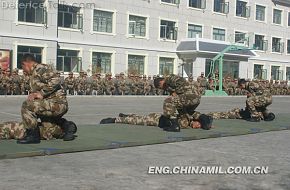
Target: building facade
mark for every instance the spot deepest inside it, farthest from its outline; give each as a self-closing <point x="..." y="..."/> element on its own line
<point x="141" y="36"/>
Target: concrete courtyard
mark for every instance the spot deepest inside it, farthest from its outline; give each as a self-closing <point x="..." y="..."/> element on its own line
<point x="127" y="168"/>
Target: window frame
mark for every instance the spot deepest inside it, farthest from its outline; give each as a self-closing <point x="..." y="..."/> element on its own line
<point x="81" y="12"/>
<point x="265" y="39"/>
<point x="248" y="5"/>
<point x="137" y="54"/>
<point x="195" y="8"/>
<point x="282" y="19"/>
<point x="283" y="49"/>
<point x="176" y="26"/>
<point x="167" y="56"/>
<point x="171" y="4"/>
<point x="266" y="13"/>
<point x="191" y="23"/>
<point x="80" y="55"/>
<point x="147" y="26"/>
<point x="113" y="22"/>
<point x="221" y="13"/>
<point x="215" y="27"/>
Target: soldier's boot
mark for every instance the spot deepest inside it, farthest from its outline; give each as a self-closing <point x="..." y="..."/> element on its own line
<point x="205" y="121"/>
<point x="269" y="117"/>
<point x="167" y="124"/>
<point x="69" y="129"/>
<point x="108" y="120"/>
<point x="123" y="115"/>
<point x="254" y="119"/>
<point x="32" y="137"/>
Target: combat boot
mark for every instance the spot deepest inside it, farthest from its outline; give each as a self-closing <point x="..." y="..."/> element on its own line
<point x="32" y="137"/>
<point x="69" y="129"/>
<point x="123" y="115"/>
<point x="173" y="126"/>
<point x="205" y="121"/>
<point x="269" y="117"/>
<point x="108" y="120"/>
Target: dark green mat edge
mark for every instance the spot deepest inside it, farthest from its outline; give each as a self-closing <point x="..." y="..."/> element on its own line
<point x="128" y="144"/>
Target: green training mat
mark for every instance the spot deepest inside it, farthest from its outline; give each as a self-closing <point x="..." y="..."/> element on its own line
<point x="100" y="137"/>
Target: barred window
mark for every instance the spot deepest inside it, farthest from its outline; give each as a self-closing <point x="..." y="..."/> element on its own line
<point x="261" y="43"/>
<point x="103" y="21"/>
<point x="219" y="34"/>
<point x="221" y="6"/>
<point x="166" y="66"/>
<point x="136" y="64"/>
<point x="168" y="30"/>
<point x="199" y="4"/>
<point x="35" y="51"/>
<point x="176" y="2"/>
<point x="193" y="30"/>
<point x="240" y="37"/>
<point x="32" y="11"/>
<point x="242" y="10"/>
<point x="137" y="25"/>
<point x="101" y="62"/>
<point x="68" y="61"/>
<point x="70" y="17"/>
<point x="260" y="12"/>
<point x="277" y="45"/>
<point x="277" y="16"/>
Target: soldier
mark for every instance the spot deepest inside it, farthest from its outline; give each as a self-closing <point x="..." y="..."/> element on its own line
<point x="152" y="119"/>
<point x="183" y="99"/>
<point x="46" y="101"/>
<point x="15" y="83"/>
<point x="238" y="113"/>
<point x="108" y="84"/>
<point x="258" y="99"/>
<point x="97" y="88"/>
<point x="69" y="84"/>
<point x="203" y="83"/>
<point x="147" y="86"/>
<point x="81" y="84"/>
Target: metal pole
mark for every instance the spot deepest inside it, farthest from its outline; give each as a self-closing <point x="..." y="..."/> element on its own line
<point x="221" y="74"/>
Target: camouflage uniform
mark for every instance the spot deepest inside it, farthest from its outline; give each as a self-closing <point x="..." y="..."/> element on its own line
<point x="15" y="83"/>
<point x="235" y="113"/>
<point x="16" y="130"/>
<point x="151" y="119"/>
<point x="69" y="84"/>
<point x="108" y="84"/>
<point x="183" y="98"/>
<point x="258" y="99"/>
<point x="52" y="107"/>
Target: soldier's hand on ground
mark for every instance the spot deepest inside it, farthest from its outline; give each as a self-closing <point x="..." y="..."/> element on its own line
<point x="36" y="95"/>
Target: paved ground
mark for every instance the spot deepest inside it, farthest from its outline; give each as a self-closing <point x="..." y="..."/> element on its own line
<point x="127" y="168"/>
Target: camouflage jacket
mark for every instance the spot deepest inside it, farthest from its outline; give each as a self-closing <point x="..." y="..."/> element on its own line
<point x="178" y="85"/>
<point x="44" y="79"/>
<point x="256" y="89"/>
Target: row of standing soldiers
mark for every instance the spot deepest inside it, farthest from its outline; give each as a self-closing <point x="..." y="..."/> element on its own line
<point x="15" y="84"/>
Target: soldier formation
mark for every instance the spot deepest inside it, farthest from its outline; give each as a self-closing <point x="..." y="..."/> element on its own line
<point x="99" y="84"/>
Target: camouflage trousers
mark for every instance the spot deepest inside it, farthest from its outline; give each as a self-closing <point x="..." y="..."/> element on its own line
<point x="16" y="130"/>
<point x="151" y="119"/>
<point x="184" y="104"/>
<point x="235" y="113"/>
<point x="49" y="111"/>
<point x="258" y="103"/>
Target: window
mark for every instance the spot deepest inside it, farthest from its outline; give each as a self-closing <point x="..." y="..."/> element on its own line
<point x="136" y="64"/>
<point x="288" y="18"/>
<point x="137" y="26"/>
<point x="69" y="17"/>
<point x="101" y="62"/>
<point x="288" y="46"/>
<point x="260" y="43"/>
<point x="166" y="66"/>
<point x="68" y="61"/>
<point x="260" y="12"/>
<point x="230" y="68"/>
<point x="32" y="11"/>
<point x="176" y="2"/>
<point x="35" y="51"/>
<point x="193" y="30"/>
<point x="221" y="6"/>
<point x="242" y="10"/>
<point x="287" y="73"/>
<point x="259" y="72"/>
<point x="240" y="37"/>
<point x="103" y="21"/>
<point x="276" y="73"/>
<point x="219" y="34"/>
<point x="277" y="45"/>
<point x="168" y="30"/>
<point x="199" y="4"/>
<point x="277" y="16"/>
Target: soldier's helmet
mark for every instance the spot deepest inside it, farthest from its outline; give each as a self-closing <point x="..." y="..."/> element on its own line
<point x="277" y="81"/>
